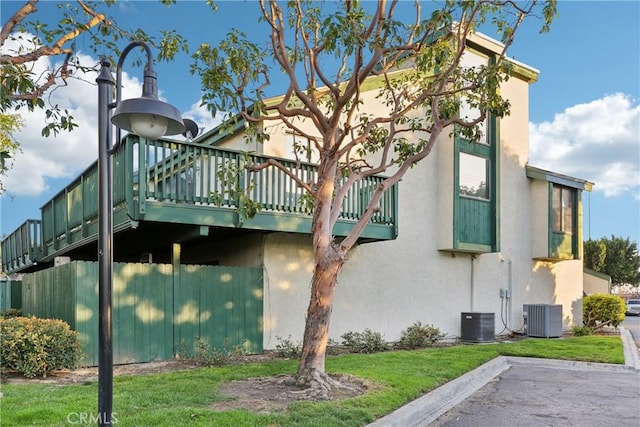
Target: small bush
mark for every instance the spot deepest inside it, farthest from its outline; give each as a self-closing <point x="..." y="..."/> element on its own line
<point x="205" y="356"/>
<point x="287" y="348"/>
<point x="334" y="347"/>
<point x="581" y="331"/>
<point x="600" y="310"/>
<point x="364" y="342"/>
<point x="35" y="347"/>
<point x="419" y="336"/>
<point x="12" y="312"/>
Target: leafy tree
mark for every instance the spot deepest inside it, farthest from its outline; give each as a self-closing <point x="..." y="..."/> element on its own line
<point x="331" y="54"/>
<point x="595" y="253"/>
<point x="9" y="123"/>
<point x="25" y="39"/>
<point x="25" y="42"/>
<point x="616" y="256"/>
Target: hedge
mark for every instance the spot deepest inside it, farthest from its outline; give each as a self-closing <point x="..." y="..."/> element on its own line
<point x="35" y="347"/>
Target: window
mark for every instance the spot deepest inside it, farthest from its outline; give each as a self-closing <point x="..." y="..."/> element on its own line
<point x="561" y="218"/>
<point x="563" y="209"/>
<point x="474" y="172"/>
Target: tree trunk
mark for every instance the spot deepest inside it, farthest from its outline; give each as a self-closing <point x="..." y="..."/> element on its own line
<point x="311" y="371"/>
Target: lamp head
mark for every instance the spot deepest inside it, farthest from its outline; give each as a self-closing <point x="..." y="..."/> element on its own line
<point x="147" y="116"/>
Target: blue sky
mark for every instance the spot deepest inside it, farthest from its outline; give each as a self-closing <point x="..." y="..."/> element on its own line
<point x="584" y="109"/>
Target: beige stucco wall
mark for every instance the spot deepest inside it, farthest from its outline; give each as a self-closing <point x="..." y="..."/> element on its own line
<point x="594" y="284"/>
<point x="539" y="195"/>
<point x="238" y="141"/>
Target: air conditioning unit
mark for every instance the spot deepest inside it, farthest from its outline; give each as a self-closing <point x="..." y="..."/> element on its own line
<point x="477" y="327"/>
<point x="542" y="320"/>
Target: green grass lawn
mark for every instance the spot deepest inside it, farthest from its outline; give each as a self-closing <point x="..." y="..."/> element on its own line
<point x="182" y="398"/>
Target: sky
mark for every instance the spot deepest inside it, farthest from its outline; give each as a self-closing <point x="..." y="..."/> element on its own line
<point x="584" y="110"/>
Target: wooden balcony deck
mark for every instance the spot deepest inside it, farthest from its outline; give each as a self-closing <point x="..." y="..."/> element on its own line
<point x="172" y="182"/>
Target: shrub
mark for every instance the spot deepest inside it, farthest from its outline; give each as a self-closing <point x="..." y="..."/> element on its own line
<point x="334" y="348"/>
<point x="419" y="336"/>
<point x="581" y="331"/>
<point x="205" y="356"/>
<point x="12" y="312"/>
<point x="600" y="310"/>
<point x="36" y="347"/>
<point x="364" y="342"/>
<point x="287" y="348"/>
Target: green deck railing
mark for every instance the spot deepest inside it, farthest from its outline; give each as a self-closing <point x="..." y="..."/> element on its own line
<point x="171" y="181"/>
<point x="190" y="173"/>
<point x="21" y="248"/>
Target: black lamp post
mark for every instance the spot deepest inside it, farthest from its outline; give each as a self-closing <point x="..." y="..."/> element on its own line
<point x="149" y="118"/>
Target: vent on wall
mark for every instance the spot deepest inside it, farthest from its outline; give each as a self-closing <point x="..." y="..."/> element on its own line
<point x="542" y="320"/>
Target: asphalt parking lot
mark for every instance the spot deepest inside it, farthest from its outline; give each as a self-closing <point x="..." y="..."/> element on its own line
<point x="534" y="393"/>
<point x="528" y="392"/>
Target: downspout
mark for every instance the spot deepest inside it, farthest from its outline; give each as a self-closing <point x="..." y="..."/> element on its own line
<point x="510" y="294"/>
<point x="472" y="283"/>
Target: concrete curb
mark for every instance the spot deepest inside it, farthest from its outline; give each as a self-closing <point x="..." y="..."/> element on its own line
<point x="432" y="405"/>
<point x="429" y="407"/>
<point x="567" y="365"/>
<point x="631" y="355"/>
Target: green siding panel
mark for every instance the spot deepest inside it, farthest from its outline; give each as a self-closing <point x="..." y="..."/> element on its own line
<point x="474" y="221"/>
<point x="562" y="246"/>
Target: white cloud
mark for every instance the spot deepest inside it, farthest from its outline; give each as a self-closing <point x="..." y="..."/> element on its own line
<point x="598" y="141"/>
<point x="199" y="114"/>
<point x="68" y="153"/>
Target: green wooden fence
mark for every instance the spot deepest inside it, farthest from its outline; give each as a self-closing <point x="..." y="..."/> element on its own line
<point x="157" y="312"/>
<point x="10" y="294"/>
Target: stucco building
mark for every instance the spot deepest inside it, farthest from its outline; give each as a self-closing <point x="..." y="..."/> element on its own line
<point x="472" y="228"/>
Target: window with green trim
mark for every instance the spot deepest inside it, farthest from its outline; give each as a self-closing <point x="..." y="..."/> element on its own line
<point x="563" y="242"/>
<point x="474" y="176"/>
<point x="563" y="209"/>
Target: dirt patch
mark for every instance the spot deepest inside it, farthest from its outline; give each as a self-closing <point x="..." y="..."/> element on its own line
<point x="274" y="394"/>
<point x="90" y="374"/>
